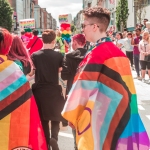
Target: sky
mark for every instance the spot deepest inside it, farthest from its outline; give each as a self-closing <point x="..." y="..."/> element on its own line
<point x="60" y="7"/>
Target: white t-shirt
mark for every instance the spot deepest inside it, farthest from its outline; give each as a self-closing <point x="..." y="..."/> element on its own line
<point x="127" y="45"/>
<point x="121" y="41"/>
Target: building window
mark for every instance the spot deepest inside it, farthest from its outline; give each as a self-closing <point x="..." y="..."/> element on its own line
<point x="146" y="2"/>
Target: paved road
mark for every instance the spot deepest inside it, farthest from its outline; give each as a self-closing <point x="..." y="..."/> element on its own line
<point x="143" y="98"/>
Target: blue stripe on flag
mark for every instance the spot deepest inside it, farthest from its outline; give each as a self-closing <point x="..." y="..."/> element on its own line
<point x="12" y="87"/>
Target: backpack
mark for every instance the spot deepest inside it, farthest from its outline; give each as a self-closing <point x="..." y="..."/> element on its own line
<point x="58" y="45"/>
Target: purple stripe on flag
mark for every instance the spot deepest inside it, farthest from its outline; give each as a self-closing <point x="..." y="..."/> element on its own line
<point x="138" y="141"/>
<point x="1" y="60"/>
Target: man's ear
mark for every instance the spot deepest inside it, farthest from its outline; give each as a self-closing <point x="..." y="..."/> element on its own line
<point x="53" y="42"/>
<point x="95" y="28"/>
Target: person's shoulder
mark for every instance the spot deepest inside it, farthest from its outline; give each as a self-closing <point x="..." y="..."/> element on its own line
<point x="141" y="42"/>
<point x="57" y="53"/>
<point x="122" y="40"/>
<point x="126" y="39"/>
<point x="32" y="38"/>
<point x="37" y="53"/>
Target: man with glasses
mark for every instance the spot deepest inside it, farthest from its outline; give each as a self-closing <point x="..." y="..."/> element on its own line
<point x="102" y="105"/>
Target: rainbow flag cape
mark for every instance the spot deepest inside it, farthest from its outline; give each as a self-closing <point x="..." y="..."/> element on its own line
<point x="102" y="104"/>
<point x="20" y="126"/>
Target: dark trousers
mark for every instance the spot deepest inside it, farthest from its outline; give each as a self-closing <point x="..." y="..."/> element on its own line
<point x="74" y="135"/>
<point x="130" y="57"/>
<point x="54" y="130"/>
<point x="136" y="63"/>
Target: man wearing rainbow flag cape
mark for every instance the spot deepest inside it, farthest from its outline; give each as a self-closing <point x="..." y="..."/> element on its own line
<point x="102" y="104"/>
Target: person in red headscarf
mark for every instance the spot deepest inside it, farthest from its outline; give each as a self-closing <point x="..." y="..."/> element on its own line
<point x="35" y="43"/>
<point x="19" y="119"/>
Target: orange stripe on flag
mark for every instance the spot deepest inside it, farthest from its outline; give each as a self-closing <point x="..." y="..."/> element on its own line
<point x="122" y="66"/>
<point x="19" y="126"/>
<point x="4" y="132"/>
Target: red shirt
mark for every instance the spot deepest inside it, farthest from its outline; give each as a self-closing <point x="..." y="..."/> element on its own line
<point x="136" y="48"/>
<point x="37" y="46"/>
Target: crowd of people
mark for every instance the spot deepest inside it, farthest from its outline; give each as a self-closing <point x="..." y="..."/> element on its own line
<point x="136" y="46"/>
<point x="99" y="81"/>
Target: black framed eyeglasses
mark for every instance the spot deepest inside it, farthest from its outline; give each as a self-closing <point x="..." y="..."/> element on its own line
<point x="84" y="25"/>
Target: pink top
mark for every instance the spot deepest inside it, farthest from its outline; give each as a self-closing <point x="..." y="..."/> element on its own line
<point x="144" y="46"/>
<point x="25" y="39"/>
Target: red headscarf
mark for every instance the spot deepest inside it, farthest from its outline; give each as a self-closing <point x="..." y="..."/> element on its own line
<point x="5" y="41"/>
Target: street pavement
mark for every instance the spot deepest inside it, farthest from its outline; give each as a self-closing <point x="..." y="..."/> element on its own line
<point x="66" y="141"/>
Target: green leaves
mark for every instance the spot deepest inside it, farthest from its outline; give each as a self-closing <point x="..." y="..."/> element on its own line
<point x="122" y="13"/>
<point x="5" y="15"/>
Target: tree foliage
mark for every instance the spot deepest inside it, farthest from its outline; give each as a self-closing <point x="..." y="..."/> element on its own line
<point x="122" y="13"/>
<point x="5" y="15"/>
<point x="140" y="10"/>
<point x="73" y="28"/>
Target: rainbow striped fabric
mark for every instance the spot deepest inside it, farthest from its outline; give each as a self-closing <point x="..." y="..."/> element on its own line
<point x="20" y="126"/>
<point x="102" y="104"/>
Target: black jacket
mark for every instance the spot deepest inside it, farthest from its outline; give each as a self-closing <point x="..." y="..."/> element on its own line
<point x="70" y="65"/>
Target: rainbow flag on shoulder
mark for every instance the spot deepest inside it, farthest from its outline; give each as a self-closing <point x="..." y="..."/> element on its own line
<point x="20" y="127"/>
<point x="102" y="104"/>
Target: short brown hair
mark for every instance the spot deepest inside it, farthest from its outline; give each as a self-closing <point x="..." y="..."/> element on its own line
<point x="22" y="32"/>
<point x="48" y="36"/>
<point x="129" y="33"/>
<point x="99" y="15"/>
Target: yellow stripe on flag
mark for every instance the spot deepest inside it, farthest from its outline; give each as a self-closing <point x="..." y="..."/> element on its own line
<point x="4" y="132"/>
<point x="4" y="65"/>
<point x="129" y="82"/>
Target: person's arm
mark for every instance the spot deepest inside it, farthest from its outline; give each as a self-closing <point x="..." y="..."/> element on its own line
<point x="29" y="44"/>
<point x="66" y="44"/>
<point x="120" y="44"/>
<point x="60" y="69"/>
<point x="31" y="73"/>
<point x="125" y="45"/>
<point x="141" y="49"/>
<point x="132" y="42"/>
<point x="148" y="52"/>
<point x="33" y="66"/>
<point x="65" y="73"/>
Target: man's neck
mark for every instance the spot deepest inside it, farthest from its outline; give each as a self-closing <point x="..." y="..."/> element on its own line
<point x="79" y="47"/>
<point x="99" y="36"/>
<point x="48" y="46"/>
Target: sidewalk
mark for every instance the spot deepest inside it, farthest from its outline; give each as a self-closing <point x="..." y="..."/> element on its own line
<point x="142" y="89"/>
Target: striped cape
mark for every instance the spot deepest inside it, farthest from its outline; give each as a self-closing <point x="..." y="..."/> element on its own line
<point x="102" y="104"/>
<point x="20" y="125"/>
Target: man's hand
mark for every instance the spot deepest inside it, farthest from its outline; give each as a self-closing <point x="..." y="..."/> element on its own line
<point x="71" y="125"/>
<point x="60" y="69"/>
